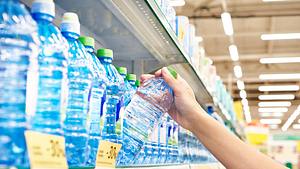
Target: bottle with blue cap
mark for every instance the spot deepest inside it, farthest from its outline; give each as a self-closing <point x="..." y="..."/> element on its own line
<point x="19" y="76"/>
<point x="80" y="80"/>
<point x="95" y="99"/>
<point x="151" y="101"/>
<point x="53" y="52"/>
<point x="114" y="91"/>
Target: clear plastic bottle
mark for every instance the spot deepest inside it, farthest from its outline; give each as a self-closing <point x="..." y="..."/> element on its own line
<point x="162" y="144"/>
<point x="95" y="99"/>
<point x="114" y="92"/>
<point x="147" y="106"/>
<point x="53" y="53"/>
<point x="19" y="77"/>
<point x="80" y="80"/>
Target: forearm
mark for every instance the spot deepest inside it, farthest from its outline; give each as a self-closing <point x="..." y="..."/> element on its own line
<point x="227" y="148"/>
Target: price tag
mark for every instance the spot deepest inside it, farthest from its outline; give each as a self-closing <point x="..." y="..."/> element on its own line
<point x="45" y="150"/>
<point x="107" y="154"/>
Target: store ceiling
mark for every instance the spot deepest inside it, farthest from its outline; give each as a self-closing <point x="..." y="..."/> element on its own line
<point x="251" y="19"/>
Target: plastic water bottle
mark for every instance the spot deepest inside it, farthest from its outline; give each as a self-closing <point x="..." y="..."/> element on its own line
<point x="80" y="80"/>
<point x="52" y="95"/>
<point x="114" y="92"/>
<point x="19" y="77"/>
<point x="137" y="84"/>
<point x="162" y="145"/>
<point x="147" y="106"/>
<point x="95" y="99"/>
<point x="131" y="78"/>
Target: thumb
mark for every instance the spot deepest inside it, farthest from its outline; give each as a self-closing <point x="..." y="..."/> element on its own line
<point x="171" y="81"/>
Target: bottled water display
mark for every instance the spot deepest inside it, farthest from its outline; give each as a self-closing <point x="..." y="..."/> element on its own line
<point x="147" y="106"/>
<point x="80" y="80"/>
<point x="52" y="60"/>
<point x="18" y="79"/>
<point x="114" y="91"/>
<point x="95" y="99"/>
<point x="51" y="81"/>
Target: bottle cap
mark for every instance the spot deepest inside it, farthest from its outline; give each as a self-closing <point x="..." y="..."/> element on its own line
<point x="122" y="70"/>
<point x="44" y="7"/>
<point x="138" y="83"/>
<point x="173" y="72"/>
<point x="87" y="41"/>
<point x="70" y="23"/>
<point x="105" y="53"/>
<point x="131" y="77"/>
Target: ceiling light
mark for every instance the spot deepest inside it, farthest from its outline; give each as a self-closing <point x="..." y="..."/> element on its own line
<point x="243" y="94"/>
<point x="233" y="51"/>
<point x="227" y="23"/>
<point x="279" y="76"/>
<point x="277" y="97"/>
<point x="273" y="126"/>
<point x="280" y="60"/>
<point x="274" y="104"/>
<point x="291" y="119"/>
<point x="279" y="88"/>
<point x="296" y="126"/>
<point x="238" y="71"/>
<point x="270" y="121"/>
<point x="240" y="84"/>
<point x="247" y="116"/>
<point x="280" y="36"/>
<point x="177" y="2"/>
<point x="273" y="110"/>
<point x="278" y="114"/>
<point x="244" y="102"/>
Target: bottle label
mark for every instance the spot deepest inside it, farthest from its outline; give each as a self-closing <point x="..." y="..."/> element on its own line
<point x="45" y="150"/>
<point x="107" y="154"/>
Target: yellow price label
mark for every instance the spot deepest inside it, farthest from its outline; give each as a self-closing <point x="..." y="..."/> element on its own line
<point x="45" y="150"/>
<point x="107" y="154"/>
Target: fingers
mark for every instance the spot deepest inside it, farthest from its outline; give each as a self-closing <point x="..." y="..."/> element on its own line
<point x="168" y="77"/>
<point x="146" y="77"/>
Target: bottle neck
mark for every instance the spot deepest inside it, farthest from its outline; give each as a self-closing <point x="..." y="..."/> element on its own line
<point x="106" y="60"/>
<point x="70" y="35"/>
<point x="124" y="76"/>
<point x="132" y="82"/>
<point x="89" y="49"/>
<point x="42" y="18"/>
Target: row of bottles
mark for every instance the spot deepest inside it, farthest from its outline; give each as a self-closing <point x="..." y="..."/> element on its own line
<point x="52" y="82"/>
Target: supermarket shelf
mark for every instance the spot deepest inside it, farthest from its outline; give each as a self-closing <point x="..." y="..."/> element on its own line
<point x="135" y="30"/>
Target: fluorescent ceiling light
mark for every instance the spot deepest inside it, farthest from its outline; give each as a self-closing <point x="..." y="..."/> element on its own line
<point x="227" y="23"/>
<point x="238" y="71"/>
<point x="247" y="116"/>
<point x="279" y="76"/>
<point x="177" y="2"/>
<point x="244" y="102"/>
<point x="270" y="121"/>
<point x="296" y="126"/>
<point x="280" y="60"/>
<point x="273" y="126"/>
<point x="279" y="88"/>
<point x="278" y="114"/>
<point x="291" y="119"/>
<point x="240" y="84"/>
<point x="233" y="51"/>
<point x="277" y="97"/>
<point x="273" y="110"/>
<point x="274" y="104"/>
<point x="280" y="36"/>
<point x="243" y="94"/>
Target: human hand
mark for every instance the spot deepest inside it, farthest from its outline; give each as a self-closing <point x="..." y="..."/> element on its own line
<point x="185" y="107"/>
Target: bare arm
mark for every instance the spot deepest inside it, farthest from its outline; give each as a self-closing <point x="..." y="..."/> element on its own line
<point x="227" y="148"/>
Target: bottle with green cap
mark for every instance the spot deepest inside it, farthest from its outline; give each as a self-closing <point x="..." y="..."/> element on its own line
<point x="80" y="81"/>
<point x="151" y="101"/>
<point x="95" y="100"/>
<point x="114" y="92"/>
<point x="137" y="83"/>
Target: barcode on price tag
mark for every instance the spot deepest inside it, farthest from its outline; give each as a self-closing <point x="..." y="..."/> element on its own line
<point x="45" y="150"/>
<point x="107" y="154"/>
